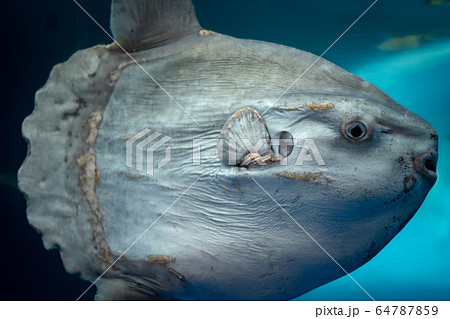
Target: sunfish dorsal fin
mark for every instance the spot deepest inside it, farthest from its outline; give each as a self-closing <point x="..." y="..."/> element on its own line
<point x="142" y="24"/>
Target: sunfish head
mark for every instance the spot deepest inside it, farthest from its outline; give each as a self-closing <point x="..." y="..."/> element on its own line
<point x="350" y="166"/>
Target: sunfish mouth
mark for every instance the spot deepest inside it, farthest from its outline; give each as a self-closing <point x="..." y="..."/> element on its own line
<point x="425" y="164"/>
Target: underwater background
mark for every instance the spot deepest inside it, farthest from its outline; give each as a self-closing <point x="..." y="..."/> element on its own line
<point x="402" y="46"/>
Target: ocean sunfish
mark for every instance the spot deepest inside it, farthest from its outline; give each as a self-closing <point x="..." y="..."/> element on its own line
<point x="168" y="166"/>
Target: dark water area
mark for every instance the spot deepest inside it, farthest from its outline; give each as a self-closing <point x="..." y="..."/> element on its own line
<point x="402" y="46"/>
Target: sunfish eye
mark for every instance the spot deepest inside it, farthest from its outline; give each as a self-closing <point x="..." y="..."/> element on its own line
<point x="356" y="130"/>
<point x="286" y="144"/>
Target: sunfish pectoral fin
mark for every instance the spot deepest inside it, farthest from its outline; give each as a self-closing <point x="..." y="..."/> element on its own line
<point x="142" y="24"/>
<point x="245" y="140"/>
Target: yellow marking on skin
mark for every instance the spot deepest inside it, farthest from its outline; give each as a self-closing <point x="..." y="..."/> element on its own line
<point x="294" y="107"/>
<point x="161" y="260"/>
<point x="316" y="178"/>
<point x="87" y="182"/>
<point x="314" y="107"/>
<point x="255" y="158"/>
<point x="206" y="32"/>
<point x="125" y="138"/>
<point x="238" y="113"/>
<point x="239" y="188"/>
<point x="115" y="74"/>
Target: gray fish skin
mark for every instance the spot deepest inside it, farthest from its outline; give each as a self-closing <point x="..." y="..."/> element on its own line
<point x="225" y="238"/>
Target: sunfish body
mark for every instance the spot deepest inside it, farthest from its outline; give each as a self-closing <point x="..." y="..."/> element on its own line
<point x="224" y="189"/>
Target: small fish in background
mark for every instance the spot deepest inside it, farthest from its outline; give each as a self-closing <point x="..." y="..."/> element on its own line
<point x="438" y="2"/>
<point x="407" y="42"/>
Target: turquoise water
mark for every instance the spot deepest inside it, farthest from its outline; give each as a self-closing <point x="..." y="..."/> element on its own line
<point x="415" y="264"/>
